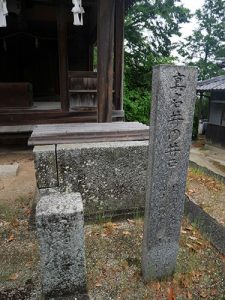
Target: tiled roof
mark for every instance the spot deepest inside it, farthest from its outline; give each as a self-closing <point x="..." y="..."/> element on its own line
<point x="213" y="84"/>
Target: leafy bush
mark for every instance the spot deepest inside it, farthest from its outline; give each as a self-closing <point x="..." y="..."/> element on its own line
<point x="137" y="105"/>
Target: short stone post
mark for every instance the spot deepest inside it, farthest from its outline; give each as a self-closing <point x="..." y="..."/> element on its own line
<point x="173" y="103"/>
<point x="60" y="228"/>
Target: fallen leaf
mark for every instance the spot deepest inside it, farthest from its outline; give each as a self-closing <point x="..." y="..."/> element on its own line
<point x="191" y="247"/>
<point x="27" y="212"/>
<point x="189" y="228"/>
<point x="183" y="282"/>
<point x="193" y="238"/>
<point x="191" y="191"/>
<point x="11" y="238"/>
<point x="170" y="295"/>
<point x="28" y="264"/>
<point x="130" y="221"/>
<point x="199" y="243"/>
<point x="14" y="276"/>
<point x="183" y="231"/>
<point x="15" y="223"/>
<point x="189" y="295"/>
<point x="158" y="286"/>
<point x="213" y="292"/>
<point x="98" y="284"/>
<point x="196" y="276"/>
<point x="126" y="233"/>
<point x="203" y="294"/>
<point x="124" y="265"/>
<point x="110" y="225"/>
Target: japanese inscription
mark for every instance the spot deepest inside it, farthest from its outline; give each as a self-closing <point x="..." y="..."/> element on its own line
<point x="173" y="102"/>
<point x="175" y="119"/>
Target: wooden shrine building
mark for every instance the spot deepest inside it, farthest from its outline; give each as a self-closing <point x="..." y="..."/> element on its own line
<point x="215" y="87"/>
<point x="52" y="71"/>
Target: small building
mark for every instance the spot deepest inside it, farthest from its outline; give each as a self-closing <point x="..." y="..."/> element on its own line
<point x="215" y="88"/>
<point x="60" y="66"/>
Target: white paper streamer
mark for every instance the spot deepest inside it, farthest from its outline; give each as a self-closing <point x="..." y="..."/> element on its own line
<point x="78" y="12"/>
<point x="3" y="13"/>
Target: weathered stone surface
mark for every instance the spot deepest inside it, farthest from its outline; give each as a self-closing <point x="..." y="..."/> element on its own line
<point x="110" y="176"/>
<point x="174" y="93"/>
<point x="9" y="170"/>
<point x="207" y="225"/>
<point x="60" y="228"/>
<point x="45" y="166"/>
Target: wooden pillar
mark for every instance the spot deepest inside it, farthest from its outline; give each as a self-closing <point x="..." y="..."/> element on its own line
<point x="119" y="53"/>
<point x="200" y="104"/>
<point x="105" y="44"/>
<point x="63" y="55"/>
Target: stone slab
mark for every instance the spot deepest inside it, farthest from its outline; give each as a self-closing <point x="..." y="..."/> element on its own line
<point x="208" y="226"/>
<point x="17" y="129"/>
<point x="207" y="171"/>
<point x="60" y="228"/>
<point x="9" y="170"/>
<point x="173" y="102"/>
<point x="110" y="176"/>
<point x="45" y="166"/>
<point x="88" y="132"/>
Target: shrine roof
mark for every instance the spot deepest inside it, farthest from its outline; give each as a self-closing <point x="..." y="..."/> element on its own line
<point x="212" y="84"/>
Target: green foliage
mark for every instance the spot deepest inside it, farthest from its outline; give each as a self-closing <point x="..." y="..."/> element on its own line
<point x="137" y="105"/>
<point x="207" y="41"/>
<point x="148" y="28"/>
<point x="138" y="73"/>
<point x="151" y="24"/>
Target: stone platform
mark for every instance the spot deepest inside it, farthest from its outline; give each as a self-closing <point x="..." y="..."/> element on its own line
<point x="105" y="163"/>
<point x="110" y="176"/>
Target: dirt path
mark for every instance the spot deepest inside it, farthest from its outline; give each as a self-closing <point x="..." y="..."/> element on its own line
<point x="21" y="186"/>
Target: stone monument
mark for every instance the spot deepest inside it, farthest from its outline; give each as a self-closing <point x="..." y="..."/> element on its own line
<point x="173" y="103"/>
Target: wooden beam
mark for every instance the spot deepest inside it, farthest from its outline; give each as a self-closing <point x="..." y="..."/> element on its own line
<point x="63" y="55"/>
<point x="119" y="53"/>
<point x="105" y="44"/>
<point x="79" y="115"/>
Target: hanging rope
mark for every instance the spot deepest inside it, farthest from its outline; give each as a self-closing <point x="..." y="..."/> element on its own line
<point x="78" y="12"/>
<point x="3" y="13"/>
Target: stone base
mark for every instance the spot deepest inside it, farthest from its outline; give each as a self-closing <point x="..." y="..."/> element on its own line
<point x="111" y="176"/>
<point x="60" y="228"/>
<point x="9" y="170"/>
<point x="160" y="261"/>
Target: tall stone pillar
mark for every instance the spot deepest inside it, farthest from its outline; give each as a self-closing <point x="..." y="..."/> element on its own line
<point x="173" y="103"/>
